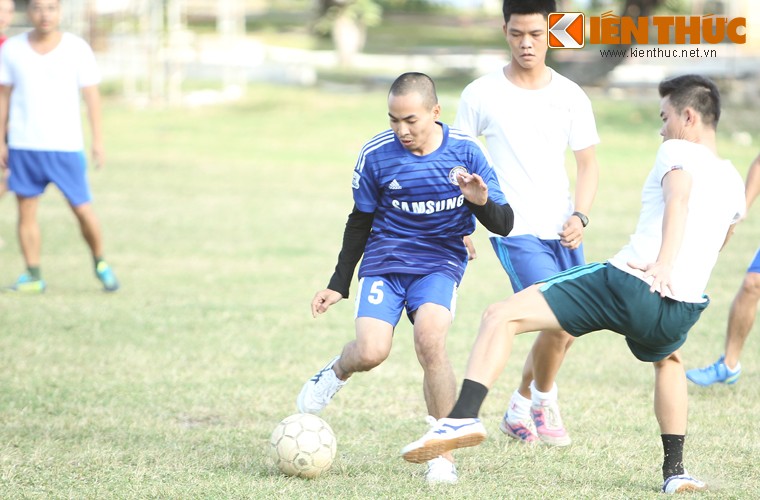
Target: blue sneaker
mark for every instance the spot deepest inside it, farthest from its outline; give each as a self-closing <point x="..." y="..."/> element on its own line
<point x="27" y="284"/>
<point x="106" y="276"/>
<point x="715" y="373"/>
<point x="445" y="435"/>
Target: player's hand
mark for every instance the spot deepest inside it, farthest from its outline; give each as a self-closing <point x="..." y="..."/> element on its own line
<point x="571" y="235"/>
<point x="471" y="253"/>
<point x="474" y="189"/>
<point x="660" y="274"/>
<point x="98" y="156"/>
<point x="3" y="157"/>
<point x="323" y="300"/>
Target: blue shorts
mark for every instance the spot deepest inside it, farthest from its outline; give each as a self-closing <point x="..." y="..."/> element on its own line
<point x="528" y="260"/>
<point x="384" y="297"/>
<point x="754" y="267"/>
<point x="602" y="297"/>
<point x="32" y="171"/>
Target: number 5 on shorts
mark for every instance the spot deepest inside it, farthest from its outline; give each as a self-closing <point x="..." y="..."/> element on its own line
<point x="375" y="295"/>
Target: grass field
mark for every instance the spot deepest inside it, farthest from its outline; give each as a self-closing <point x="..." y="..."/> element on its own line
<point x="221" y="224"/>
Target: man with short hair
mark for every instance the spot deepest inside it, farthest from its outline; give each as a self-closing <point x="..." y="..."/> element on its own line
<point x="418" y="188"/>
<point x="41" y="75"/>
<point x="651" y="291"/>
<point x="529" y="115"/>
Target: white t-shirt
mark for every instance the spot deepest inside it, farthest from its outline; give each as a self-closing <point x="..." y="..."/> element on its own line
<point x="527" y="133"/>
<point x="716" y="201"/>
<point x="45" y="101"/>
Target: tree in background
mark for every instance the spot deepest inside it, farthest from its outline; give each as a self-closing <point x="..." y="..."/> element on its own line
<point x="346" y="21"/>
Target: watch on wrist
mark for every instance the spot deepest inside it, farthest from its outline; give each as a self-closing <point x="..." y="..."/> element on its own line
<point x="582" y="217"/>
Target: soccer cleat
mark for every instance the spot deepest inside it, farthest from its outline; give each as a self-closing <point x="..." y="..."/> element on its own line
<point x="524" y="430"/>
<point x="715" y="373"/>
<point x="447" y="434"/>
<point x="682" y="483"/>
<point x="548" y="422"/>
<point x="317" y="392"/>
<point x="27" y="284"/>
<point x="106" y="276"/>
<point x="441" y="471"/>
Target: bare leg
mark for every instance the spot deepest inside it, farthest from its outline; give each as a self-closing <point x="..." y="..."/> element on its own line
<point x="29" y="230"/>
<point x="90" y="227"/>
<point x="741" y="318"/>
<point x="526" y="311"/>
<point x="547" y="354"/>
<point x="370" y="348"/>
<point x="431" y="325"/>
<point x="670" y="395"/>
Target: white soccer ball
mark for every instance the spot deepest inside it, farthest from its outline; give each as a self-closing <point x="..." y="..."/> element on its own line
<point x="303" y="445"/>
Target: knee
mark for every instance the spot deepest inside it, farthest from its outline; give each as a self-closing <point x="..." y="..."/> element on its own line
<point x="751" y="285"/>
<point x="671" y="360"/>
<point x="496" y="316"/>
<point x="430" y="347"/>
<point x="371" y="356"/>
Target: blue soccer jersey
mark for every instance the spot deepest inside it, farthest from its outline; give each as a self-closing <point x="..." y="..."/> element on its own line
<point x="420" y="215"/>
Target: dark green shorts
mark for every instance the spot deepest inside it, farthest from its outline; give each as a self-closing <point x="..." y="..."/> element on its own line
<point x="601" y="297"/>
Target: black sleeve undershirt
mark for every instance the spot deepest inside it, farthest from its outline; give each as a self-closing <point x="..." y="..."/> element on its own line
<point x="496" y="218"/>
<point x="358" y="227"/>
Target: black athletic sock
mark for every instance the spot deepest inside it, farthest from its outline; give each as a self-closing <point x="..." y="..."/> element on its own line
<point x="672" y="464"/>
<point x="34" y="272"/>
<point x="470" y="399"/>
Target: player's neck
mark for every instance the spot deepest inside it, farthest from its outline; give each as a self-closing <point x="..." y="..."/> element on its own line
<point x="534" y="78"/>
<point x="433" y="143"/>
<point x="44" y="42"/>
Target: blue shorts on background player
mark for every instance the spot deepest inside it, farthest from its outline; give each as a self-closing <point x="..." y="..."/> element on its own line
<point x="727" y="369"/>
<point x="45" y="144"/>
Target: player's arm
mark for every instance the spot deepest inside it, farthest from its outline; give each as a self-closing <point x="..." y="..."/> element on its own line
<point x="497" y="218"/>
<point x="752" y="184"/>
<point x="5" y="99"/>
<point x="586" y="184"/>
<point x="358" y="228"/>
<point x="355" y="235"/>
<point x="676" y="189"/>
<point x="91" y="96"/>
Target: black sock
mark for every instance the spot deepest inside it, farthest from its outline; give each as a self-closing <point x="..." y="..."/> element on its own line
<point x="34" y="272"/>
<point x="470" y="399"/>
<point x="672" y="465"/>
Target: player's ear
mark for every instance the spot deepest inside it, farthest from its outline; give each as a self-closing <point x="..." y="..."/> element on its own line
<point x="436" y="111"/>
<point x="690" y="116"/>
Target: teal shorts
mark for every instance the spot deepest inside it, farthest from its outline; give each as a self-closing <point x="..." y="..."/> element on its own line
<point x="602" y="297"/>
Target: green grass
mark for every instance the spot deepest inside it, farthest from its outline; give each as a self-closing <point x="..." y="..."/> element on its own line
<point x="221" y="224"/>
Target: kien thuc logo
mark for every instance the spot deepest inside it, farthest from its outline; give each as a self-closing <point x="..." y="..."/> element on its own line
<point x="566" y="30"/>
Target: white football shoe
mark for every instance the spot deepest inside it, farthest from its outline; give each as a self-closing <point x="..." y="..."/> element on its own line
<point x="317" y="392"/>
<point x="441" y="471"/>
<point x="682" y="483"/>
<point x="447" y="434"/>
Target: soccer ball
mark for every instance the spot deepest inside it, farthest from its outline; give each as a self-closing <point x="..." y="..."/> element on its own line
<point x="303" y="445"/>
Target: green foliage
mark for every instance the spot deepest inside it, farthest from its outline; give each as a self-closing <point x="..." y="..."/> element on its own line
<point x="221" y="223"/>
<point x="363" y="12"/>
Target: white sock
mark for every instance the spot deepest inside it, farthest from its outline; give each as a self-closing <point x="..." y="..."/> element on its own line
<point x="519" y="407"/>
<point x="537" y="396"/>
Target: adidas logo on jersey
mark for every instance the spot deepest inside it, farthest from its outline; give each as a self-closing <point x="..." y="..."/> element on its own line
<point x="394" y="185"/>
